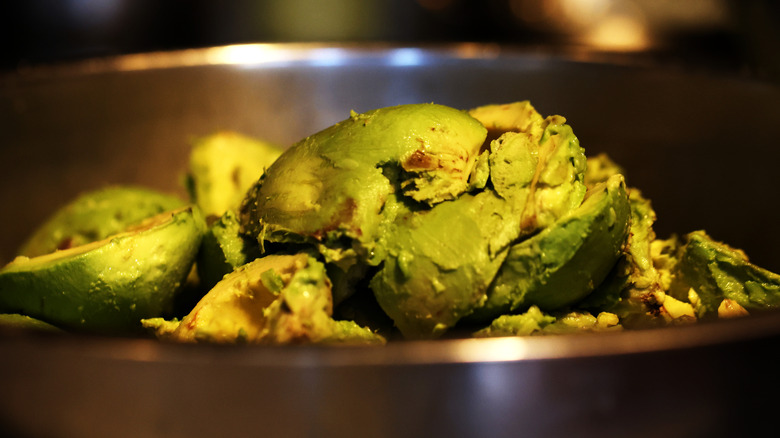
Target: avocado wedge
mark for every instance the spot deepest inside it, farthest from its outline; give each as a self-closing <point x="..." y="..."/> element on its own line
<point x="108" y="285"/>
<point x="564" y="262"/>
<point x="96" y="215"/>
<point x="277" y="299"/>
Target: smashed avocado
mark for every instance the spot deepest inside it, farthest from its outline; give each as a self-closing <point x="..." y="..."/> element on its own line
<point x="413" y="221"/>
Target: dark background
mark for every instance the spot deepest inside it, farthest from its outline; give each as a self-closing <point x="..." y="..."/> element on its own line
<point x="722" y="34"/>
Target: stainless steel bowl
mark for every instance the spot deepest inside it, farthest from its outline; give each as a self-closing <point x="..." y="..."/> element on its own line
<point x="702" y="145"/>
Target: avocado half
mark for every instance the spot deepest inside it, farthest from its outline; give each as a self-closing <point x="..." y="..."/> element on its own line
<point x="277" y="299"/>
<point x="107" y="285"/>
<point x="95" y="215"/>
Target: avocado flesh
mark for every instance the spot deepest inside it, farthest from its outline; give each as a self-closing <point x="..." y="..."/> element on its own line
<point x="535" y="322"/>
<point x="636" y="288"/>
<point x="224" y="249"/>
<point x="717" y="272"/>
<point x="96" y="215"/>
<point x="331" y="186"/>
<point x="277" y="299"/>
<point x="107" y="286"/>
<point x="510" y="117"/>
<point x="564" y="262"/>
<point x="436" y="246"/>
<point x="223" y="166"/>
<point x="441" y="261"/>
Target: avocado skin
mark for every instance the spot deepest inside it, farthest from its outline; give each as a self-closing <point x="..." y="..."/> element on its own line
<point x="107" y="286"/>
<point x="96" y="215"/>
<point x="716" y="272"/>
<point x="564" y="262"/>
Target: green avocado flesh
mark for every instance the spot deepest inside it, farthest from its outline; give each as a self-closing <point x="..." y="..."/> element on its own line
<point x="716" y="272"/>
<point x="223" y="249"/>
<point x="223" y="166"/>
<point x="413" y="221"/>
<point x="563" y="263"/>
<point x="107" y="285"/>
<point x="277" y="299"/>
<point x="96" y="215"/>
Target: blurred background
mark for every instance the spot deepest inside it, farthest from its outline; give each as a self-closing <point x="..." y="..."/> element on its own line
<point x="738" y="35"/>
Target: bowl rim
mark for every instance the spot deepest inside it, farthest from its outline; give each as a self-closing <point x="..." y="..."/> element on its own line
<point x="514" y="349"/>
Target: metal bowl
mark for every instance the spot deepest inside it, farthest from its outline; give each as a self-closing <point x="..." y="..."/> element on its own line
<point x="700" y="144"/>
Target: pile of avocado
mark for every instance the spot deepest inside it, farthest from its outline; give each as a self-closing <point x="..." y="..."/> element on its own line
<point x="417" y="221"/>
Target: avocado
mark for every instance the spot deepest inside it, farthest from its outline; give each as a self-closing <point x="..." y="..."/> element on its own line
<point x="276" y="299"/>
<point x="110" y="284"/>
<point x="223" y="166"/>
<point x="96" y="215"/>
<point x="17" y="321"/>
<point x="223" y="249"/>
<point x="717" y="272"/>
<point x="565" y="261"/>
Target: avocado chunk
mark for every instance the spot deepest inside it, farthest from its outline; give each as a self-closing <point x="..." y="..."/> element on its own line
<point x="564" y="262"/>
<point x="224" y="248"/>
<point x="535" y="322"/>
<point x="329" y="189"/>
<point x="96" y="215"/>
<point x="510" y="117"/>
<point x="110" y="284"/>
<point x="223" y="166"/>
<point x="717" y="272"/>
<point x="277" y="299"/>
